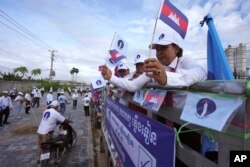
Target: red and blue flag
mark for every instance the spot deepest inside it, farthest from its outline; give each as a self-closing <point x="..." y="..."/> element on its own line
<point x="113" y="53"/>
<point x="173" y="17"/>
<point x="153" y="99"/>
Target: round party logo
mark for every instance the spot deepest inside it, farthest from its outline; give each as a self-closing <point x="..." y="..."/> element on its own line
<point x="205" y="107"/>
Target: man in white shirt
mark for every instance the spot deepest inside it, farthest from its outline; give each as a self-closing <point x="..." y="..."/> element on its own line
<point x="86" y="103"/>
<point x="74" y="98"/>
<point x="27" y="99"/>
<point x="49" y="98"/>
<point x="37" y="97"/>
<point x="5" y="102"/>
<point x="48" y="123"/>
<point x="19" y="99"/>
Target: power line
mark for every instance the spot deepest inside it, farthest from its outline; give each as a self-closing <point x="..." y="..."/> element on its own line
<point x="24" y="35"/>
<point x="25" y="30"/>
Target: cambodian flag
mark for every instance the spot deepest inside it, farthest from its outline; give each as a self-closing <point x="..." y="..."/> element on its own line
<point x="174" y="18"/>
<point x="113" y="53"/>
<point x="153" y="99"/>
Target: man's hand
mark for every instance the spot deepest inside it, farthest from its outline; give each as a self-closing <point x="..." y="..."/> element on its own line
<point x="106" y="72"/>
<point x="155" y="70"/>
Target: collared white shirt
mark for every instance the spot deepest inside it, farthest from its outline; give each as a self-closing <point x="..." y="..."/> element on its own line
<point x="5" y="102"/>
<point x="49" y="120"/>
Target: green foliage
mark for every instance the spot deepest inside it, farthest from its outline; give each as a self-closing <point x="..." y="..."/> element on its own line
<point x="36" y="72"/>
<point x="22" y="70"/>
<point x="11" y="76"/>
<point x="47" y="84"/>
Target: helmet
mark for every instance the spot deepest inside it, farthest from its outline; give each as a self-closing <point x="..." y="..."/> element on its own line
<point x="54" y="103"/>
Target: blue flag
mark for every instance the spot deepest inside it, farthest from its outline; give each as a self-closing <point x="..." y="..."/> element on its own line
<point x="217" y="63"/>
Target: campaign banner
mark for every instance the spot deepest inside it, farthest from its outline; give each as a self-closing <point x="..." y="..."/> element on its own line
<point x="139" y="140"/>
<point x="210" y="110"/>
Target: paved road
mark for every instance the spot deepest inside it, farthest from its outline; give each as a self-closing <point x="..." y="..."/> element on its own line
<point x="20" y="150"/>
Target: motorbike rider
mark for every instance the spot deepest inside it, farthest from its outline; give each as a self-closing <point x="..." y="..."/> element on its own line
<point x="50" y="118"/>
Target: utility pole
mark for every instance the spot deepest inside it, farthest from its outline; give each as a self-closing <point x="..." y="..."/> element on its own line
<point x="51" y="64"/>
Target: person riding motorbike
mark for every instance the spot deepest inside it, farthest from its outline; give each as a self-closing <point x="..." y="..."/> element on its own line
<point x="50" y="118"/>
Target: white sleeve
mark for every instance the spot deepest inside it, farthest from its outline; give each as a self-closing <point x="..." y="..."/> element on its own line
<point x="128" y="85"/>
<point x="10" y="102"/>
<point x="186" y="76"/>
<point x="59" y="116"/>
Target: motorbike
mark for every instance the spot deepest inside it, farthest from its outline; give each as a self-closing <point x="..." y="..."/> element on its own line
<point x="53" y="150"/>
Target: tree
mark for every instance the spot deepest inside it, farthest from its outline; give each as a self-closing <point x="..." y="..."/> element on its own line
<point x="72" y="74"/>
<point x="36" y="72"/>
<point x="76" y="71"/>
<point x="22" y="70"/>
<point x="10" y="76"/>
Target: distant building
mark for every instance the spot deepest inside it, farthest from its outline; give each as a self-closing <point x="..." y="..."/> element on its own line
<point x="237" y="58"/>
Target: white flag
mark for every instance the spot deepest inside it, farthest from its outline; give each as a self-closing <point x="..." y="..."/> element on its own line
<point x="98" y="83"/>
<point x="120" y="45"/>
<point x="210" y="110"/>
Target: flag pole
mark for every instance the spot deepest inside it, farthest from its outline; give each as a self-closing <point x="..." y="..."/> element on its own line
<point x="110" y="47"/>
<point x="150" y="48"/>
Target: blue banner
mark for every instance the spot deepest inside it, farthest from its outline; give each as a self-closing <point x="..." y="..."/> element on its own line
<point x="139" y="140"/>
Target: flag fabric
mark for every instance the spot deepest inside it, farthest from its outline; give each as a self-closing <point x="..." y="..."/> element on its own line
<point x="153" y="99"/>
<point x="139" y="96"/>
<point x="119" y="44"/>
<point x="173" y="17"/>
<point x="217" y="63"/>
<point x="114" y="62"/>
<point x="212" y="111"/>
<point x="113" y="53"/>
<point x="98" y="83"/>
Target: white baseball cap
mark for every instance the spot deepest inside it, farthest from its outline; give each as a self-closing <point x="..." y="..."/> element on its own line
<point x="122" y="66"/>
<point x="140" y="58"/>
<point x="20" y="93"/>
<point x="164" y="39"/>
<point x="54" y="103"/>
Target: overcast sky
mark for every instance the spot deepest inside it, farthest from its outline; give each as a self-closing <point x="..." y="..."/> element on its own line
<point x="82" y="30"/>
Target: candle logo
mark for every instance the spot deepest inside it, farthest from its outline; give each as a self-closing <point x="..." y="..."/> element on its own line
<point x="205" y="107"/>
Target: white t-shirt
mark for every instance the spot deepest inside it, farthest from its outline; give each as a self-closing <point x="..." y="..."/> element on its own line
<point x="86" y="101"/>
<point x="49" y="97"/>
<point x="49" y="120"/>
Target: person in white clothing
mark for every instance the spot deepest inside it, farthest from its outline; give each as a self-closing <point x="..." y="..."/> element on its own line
<point x="86" y="103"/>
<point x="5" y="102"/>
<point x="49" y="98"/>
<point x="139" y="65"/>
<point x="169" y="69"/>
<point x="50" y="118"/>
<point x="19" y="99"/>
<point x="123" y="71"/>
<point x="75" y="96"/>
<point x="28" y="100"/>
